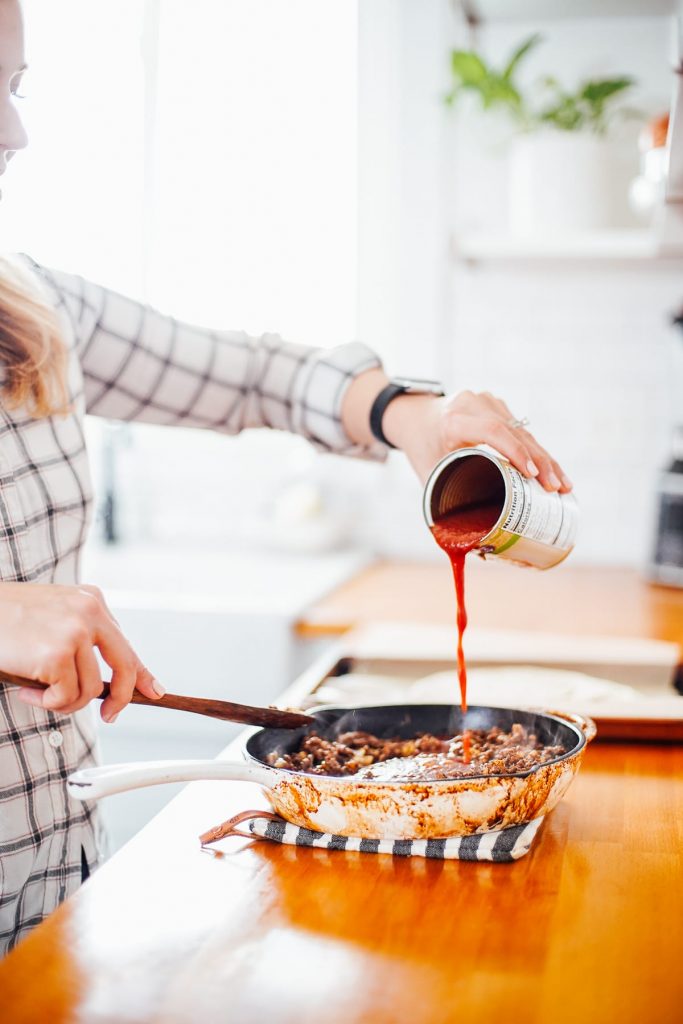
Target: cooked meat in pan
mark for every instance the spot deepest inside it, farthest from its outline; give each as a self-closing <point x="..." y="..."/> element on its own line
<point x="491" y="752"/>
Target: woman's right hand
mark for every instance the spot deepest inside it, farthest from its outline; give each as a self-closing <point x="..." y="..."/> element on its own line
<point x="48" y="632"/>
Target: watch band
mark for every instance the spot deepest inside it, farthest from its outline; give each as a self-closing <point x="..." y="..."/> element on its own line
<point x="378" y="408"/>
<point x="396" y="387"/>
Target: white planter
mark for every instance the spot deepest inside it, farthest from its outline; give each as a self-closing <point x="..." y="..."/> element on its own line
<point x="562" y="181"/>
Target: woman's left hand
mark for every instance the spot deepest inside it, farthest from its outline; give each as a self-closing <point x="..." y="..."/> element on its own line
<point x="427" y="428"/>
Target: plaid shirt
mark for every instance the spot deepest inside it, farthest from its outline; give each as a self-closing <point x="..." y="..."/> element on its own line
<point x="126" y="362"/>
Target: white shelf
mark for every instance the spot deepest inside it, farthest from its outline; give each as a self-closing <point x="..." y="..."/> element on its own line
<point x="534" y="10"/>
<point x="626" y="245"/>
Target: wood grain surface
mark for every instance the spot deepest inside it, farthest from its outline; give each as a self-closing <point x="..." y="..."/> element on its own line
<point x="588" y="927"/>
<point x="568" y="599"/>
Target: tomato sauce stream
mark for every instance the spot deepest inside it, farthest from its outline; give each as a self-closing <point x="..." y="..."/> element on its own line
<point x="458" y="533"/>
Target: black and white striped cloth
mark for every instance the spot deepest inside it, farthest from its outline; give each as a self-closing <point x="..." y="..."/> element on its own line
<point x="500" y="846"/>
<point x="126" y="361"/>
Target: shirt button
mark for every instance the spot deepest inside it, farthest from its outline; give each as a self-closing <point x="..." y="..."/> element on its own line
<point x="55" y="738"/>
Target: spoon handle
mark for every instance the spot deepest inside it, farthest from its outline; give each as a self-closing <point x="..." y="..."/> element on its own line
<point x="222" y="709"/>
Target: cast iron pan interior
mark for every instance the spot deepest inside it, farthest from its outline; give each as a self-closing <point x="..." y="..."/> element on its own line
<point x="408" y="720"/>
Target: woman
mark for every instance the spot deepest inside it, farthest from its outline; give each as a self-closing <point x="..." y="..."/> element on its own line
<point x="68" y="347"/>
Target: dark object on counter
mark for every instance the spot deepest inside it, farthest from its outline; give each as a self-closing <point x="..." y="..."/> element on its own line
<point x="667" y="563"/>
<point x="667" y="560"/>
<point x="221" y="709"/>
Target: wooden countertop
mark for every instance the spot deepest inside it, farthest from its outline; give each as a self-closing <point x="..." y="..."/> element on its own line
<point x="588" y="927"/>
<point x="568" y="599"/>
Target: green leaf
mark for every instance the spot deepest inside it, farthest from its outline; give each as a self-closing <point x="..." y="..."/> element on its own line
<point x="565" y="115"/>
<point x="498" y="90"/>
<point x="494" y="88"/>
<point x="520" y="53"/>
<point x="599" y="90"/>
<point x="468" y="67"/>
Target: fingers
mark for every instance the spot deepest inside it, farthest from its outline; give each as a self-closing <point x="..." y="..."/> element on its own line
<point x="97" y="593"/>
<point x="64" y="690"/>
<point x="551" y="475"/>
<point x="89" y="682"/>
<point x="69" y="666"/>
<point x="71" y="671"/>
<point x="490" y="429"/>
<point x="34" y="697"/>
<point x="524" y="451"/>
<point x="121" y="689"/>
<point x="123" y="662"/>
<point x="147" y="684"/>
<point x="128" y="672"/>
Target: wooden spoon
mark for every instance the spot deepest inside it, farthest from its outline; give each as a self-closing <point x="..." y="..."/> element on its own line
<point x="223" y="709"/>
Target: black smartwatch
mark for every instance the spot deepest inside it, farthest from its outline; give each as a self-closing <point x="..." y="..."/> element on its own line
<point x="398" y="386"/>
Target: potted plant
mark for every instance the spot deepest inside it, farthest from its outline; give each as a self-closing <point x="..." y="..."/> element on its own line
<point x="561" y="160"/>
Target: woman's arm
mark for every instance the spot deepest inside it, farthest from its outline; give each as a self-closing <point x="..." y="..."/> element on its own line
<point x="139" y="364"/>
<point x="426" y="428"/>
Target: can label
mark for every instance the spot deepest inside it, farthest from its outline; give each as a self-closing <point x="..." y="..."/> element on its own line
<point x="548" y="517"/>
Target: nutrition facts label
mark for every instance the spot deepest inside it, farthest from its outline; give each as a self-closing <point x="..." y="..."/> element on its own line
<point x="545" y="516"/>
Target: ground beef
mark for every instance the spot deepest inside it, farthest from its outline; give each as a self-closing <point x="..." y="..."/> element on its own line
<point x="492" y="752"/>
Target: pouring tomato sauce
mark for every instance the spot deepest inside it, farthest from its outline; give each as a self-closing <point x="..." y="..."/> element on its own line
<point x="457" y="533"/>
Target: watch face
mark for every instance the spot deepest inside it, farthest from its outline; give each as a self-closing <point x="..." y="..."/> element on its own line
<point x="414" y="385"/>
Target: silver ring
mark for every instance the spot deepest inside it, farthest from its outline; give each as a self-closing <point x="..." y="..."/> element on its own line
<point x="514" y="424"/>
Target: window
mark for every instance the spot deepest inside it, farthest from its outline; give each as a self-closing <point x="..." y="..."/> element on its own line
<point x="202" y="157"/>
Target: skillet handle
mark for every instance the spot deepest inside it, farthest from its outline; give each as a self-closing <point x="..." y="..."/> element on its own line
<point x="93" y="783"/>
<point x="585" y="724"/>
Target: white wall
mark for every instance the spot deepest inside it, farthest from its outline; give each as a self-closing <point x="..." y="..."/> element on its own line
<point x="585" y="352"/>
<point x="201" y="157"/>
<point x="584" y="349"/>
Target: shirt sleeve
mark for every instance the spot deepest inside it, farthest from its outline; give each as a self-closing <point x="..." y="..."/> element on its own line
<point x="139" y="364"/>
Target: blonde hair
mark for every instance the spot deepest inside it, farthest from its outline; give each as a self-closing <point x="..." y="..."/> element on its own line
<point x="32" y="350"/>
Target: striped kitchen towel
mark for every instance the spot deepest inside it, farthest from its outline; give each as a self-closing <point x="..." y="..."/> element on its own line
<point x="501" y="846"/>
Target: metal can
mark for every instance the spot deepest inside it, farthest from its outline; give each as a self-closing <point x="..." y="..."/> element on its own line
<point x="535" y="527"/>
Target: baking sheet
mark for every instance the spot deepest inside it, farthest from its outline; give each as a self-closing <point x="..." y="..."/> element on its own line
<point x="626" y="685"/>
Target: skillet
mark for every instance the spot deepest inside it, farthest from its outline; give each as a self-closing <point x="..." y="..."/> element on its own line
<point x="374" y="809"/>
